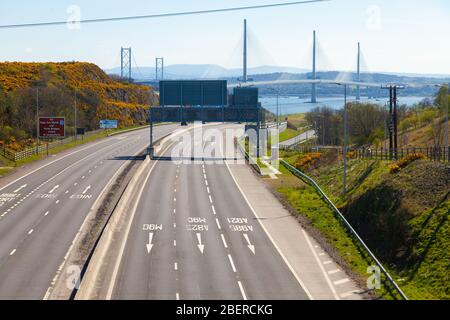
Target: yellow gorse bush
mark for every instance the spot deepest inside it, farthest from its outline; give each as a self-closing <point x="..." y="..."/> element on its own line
<point x="305" y="161"/>
<point x="403" y="162"/>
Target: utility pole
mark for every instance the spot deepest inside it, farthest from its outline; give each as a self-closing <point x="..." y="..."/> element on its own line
<point x="244" y="76"/>
<point x="358" y="75"/>
<point x="395" y="123"/>
<point x="37" y="120"/>
<point x="313" y="87"/>
<point x="391" y="141"/>
<point x="75" y="112"/>
<point x="344" y="191"/>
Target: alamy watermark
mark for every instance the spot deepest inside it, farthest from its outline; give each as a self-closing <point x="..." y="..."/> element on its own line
<point x="212" y="145"/>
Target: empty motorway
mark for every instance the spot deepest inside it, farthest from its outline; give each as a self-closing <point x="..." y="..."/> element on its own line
<point x="43" y="206"/>
<point x="192" y="235"/>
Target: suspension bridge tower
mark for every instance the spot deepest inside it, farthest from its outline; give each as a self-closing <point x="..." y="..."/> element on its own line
<point x="313" y="87"/>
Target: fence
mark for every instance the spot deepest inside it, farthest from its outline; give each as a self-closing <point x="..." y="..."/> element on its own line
<point x="311" y="182"/>
<point x="432" y="153"/>
<point x="41" y="149"/>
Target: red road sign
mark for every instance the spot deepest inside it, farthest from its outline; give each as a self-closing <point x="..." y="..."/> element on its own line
<point x="51" y="127"/>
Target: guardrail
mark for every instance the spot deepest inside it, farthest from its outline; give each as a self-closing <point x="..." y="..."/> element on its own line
<point x="304" y="177"/>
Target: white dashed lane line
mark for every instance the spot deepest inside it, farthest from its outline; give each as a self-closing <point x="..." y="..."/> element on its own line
<point x="12" y="252"/>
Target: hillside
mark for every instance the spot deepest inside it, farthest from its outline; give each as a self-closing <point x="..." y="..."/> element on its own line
<point x="403" y="217"/>
<point x="98" y="97"/>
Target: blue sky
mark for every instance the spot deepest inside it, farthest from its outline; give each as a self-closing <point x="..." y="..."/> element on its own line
<point x="398" y="36"/>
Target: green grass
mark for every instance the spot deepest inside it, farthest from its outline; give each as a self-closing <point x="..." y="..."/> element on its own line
<point x="402" y="217"/>
<point x="288" y="134"/>
<point x="308" y="203"/>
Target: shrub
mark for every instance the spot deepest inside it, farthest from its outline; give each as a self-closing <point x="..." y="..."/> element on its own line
<point x="306" y="160"/>
<point x="403" y="162"/>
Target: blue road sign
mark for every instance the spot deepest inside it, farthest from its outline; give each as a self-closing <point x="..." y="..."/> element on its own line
<point x="108" y="124"/>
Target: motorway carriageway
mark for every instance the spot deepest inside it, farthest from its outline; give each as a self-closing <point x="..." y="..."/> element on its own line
<point x="193" y="236"/>
<point x="42" y="210"/>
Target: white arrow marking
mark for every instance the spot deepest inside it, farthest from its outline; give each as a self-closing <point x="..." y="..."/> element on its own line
<point x="86" y="190"/>
<point x="18" y="189"/>
<point x="250" y="246"/>
<point x="54" y="188"/>
<point x="200" y="246"/>
<point x="149" y="245"/>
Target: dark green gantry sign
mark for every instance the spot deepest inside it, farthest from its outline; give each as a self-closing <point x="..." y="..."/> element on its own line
<point x="203" y="100"/>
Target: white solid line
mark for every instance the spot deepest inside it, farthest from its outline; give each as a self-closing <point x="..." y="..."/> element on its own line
<point x="218" y="224"/>
<point x="334" y="271"/>
<point x="223" y="240"/>
<point x="269" y="236"/>
<point x="241" y="288"/>
<point x="213" y="209"/>
<point x="342" y="281"/>
<point x="232" y="263"/>
<point x="12" y="252"/>
<point x="31" y="231"/>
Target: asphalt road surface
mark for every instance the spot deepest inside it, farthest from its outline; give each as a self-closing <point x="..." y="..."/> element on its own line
<point x="194" y="237"/>
<point x="40" y="213"/>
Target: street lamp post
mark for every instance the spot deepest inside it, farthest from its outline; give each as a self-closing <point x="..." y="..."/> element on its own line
<point x="344" y="190"/>
<point x="447" y="150"/>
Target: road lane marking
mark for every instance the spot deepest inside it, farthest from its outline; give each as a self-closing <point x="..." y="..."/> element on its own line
<point x="20" y="188"/>
<point x="31" y="231"/>
<point x="342" y="281"/>
<point x="218" y="224"/>
<point x="54" y="188"/>
<point x="175" y="266"/>
<point x="207" y="189"/>
<point x="232" y="263"/>
<point x="224" y="241"/>
<point x="174" y="243"/>
<point x="249" y="245"/>
<point x="174" y="210"/>
<point x="327" y="262"/>
<point x="213" y="209"/>
<point x="82" y="177"/>
<point x="334" y="271"/>
<point x="241" y="288"/>
<point x="67" y="191"/>
<point x="46" y="213"/>
<point x="302" y="284"/>
<point x="200" y="246"/>
<point x="210" y="199"/>
<point x="57" y="201"/>
<point x="12" y="252"/>
<point x="327" y="278"/>
<point x="348" y="294"/>
<point x="86" y="190"/>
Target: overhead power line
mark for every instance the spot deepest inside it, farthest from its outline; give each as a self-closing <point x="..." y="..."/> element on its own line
<point x="153" y="16"/>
